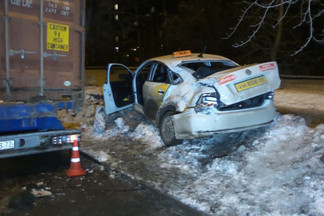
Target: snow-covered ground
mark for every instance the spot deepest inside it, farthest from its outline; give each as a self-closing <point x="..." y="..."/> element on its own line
<point x="278" y="170"/>
<point x="302" y="97"/>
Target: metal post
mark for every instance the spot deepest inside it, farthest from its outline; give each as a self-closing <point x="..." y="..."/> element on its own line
<point x="41" y="23"/>
<point x="82" y="46"/>
<point x="7" y="44"/>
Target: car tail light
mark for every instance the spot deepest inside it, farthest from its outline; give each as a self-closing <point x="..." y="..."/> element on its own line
<point x="65" y="139"/>
<point x="206" y="101"/>
<point x="269" y="95"/>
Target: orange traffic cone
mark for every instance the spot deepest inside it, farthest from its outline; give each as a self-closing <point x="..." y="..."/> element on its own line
<point x="75" y="166"/>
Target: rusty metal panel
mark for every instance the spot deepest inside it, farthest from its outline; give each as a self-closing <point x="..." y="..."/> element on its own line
<point x="41" y="49"/>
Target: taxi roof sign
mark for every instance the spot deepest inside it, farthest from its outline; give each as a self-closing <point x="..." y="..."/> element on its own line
<point x="182" y="53"/>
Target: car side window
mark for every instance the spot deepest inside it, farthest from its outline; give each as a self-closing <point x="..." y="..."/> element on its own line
<point x="142" y="76"/>
<point x="176" y="78"/>
<point x="144" y="72"/>
<point x="161" y="74"/>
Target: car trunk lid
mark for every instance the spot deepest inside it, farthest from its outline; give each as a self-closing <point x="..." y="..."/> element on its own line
<point x="244" y="82"/>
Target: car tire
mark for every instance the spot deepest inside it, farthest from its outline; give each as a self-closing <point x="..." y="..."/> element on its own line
<point x="167" y="130"/>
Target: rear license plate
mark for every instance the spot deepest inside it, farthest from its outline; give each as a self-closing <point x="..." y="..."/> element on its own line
<point x="8" y="144"/>
<point x="250" y="83"/>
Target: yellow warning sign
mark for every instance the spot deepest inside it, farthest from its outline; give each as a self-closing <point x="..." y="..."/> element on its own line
<point x="57" y="37"/>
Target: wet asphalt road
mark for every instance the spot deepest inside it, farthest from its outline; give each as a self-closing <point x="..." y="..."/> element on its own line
<point x="100" y="192"/>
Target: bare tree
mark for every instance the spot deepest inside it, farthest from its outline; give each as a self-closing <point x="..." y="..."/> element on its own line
<point x="310" y="11"/>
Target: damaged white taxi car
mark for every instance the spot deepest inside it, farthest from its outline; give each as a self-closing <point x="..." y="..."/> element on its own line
<point x="190" y="95"/>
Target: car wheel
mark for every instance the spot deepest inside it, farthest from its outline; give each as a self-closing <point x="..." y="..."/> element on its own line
<point x="167" y="130"/>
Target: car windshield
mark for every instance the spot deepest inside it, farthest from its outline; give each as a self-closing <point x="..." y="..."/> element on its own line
<point x="202" y="69"/>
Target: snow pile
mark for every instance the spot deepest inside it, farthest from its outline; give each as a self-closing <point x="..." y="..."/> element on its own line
<point x="281" y="173"/>
<point x="84" y="117"/>
<point x="275" y="171"/>
<point x="148" y="133"/>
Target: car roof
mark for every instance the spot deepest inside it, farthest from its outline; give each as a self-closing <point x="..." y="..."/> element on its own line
<point x="172" y="62"/>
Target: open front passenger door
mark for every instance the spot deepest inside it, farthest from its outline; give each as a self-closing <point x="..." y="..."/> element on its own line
<point x="118" y="91"/>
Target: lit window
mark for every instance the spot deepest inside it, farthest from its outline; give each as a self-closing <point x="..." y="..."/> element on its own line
<point x="116" y="6"/>
<point x="117" y="49"/>
<point x="116" y="17"/>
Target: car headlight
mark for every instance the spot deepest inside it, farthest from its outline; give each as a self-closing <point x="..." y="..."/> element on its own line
<point x="206" y="102"/>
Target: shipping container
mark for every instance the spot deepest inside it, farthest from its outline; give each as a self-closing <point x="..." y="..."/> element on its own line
<point x="42" y="50"/>
<point x="41" y="71"/>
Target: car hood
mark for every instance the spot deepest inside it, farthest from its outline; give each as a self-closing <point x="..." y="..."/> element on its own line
<point x="244" y="82"/>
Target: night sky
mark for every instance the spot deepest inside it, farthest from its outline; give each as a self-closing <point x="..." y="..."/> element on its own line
<point x="130" y="32"/>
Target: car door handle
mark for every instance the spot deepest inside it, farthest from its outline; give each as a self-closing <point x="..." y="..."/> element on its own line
<point x="161" y="92"/>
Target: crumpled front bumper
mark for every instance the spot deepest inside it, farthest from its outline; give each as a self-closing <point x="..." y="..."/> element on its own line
<point x="189" y="124"/>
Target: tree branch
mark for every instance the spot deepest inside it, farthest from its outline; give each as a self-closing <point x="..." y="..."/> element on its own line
<point x="240" y="20"/>
<point x="306" y="18"/>
<point x="258" y="26"/>
<point x="311" y="30"/>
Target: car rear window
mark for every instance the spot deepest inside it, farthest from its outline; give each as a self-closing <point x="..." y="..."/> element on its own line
<point x="202" y="69"/>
